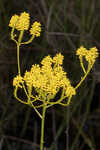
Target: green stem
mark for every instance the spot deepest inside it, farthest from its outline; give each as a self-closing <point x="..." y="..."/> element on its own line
<point x="29" y="41"/>
<point x="34" y="107"/>
<point x="42" y="127"/>
<point x="15" y="94"/>
<point x="13" y="35"/>
<point x="18" y="60"/>
<point x="18" y="45"/>
<point x="83" y="78"/>
<point x="81" y="62"/>
<point x="20" y="36"/>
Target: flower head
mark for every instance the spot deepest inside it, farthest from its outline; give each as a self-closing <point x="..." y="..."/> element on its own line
<point x="49" y="78"/>
<point x="13" y="21"/>
<point x="47" y="61"/>
<point x="70" y="91"/>
<point x="20" y="22"/>
<point x="23" y="22"/>
<point x="92" y="55"/>
<point x="58" y="59"/>
<point x="28" y="79"/>
<point x="17" y="81"/>
<point x="81" y="51"/>
<point x="35" y="29"/>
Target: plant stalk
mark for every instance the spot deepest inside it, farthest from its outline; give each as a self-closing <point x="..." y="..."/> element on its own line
<point x="18" y="61"/>
<point x="42" y="127"/>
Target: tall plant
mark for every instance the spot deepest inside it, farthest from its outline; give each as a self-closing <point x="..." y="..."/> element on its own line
<point x="48" y="78"/>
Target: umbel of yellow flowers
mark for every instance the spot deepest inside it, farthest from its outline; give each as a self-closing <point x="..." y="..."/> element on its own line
<point x="47" y="80"/>
<point x="22" y="23"/>
<point x="50" y="77"/>
<point x="90" y="55"/>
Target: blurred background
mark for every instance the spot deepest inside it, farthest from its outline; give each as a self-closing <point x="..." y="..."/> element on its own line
<point x="66" y="25"/>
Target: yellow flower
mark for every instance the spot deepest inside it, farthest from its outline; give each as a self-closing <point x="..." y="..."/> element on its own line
<point x="18" y="81"/>
<point x="23" y="22"/>
<point x="28" y="79"/>
<point x="70" y="91"/>
<point x="48" y="78"/>
<point x="60" y="76"/>
<point x="36" y="76"/>
<point x="65" y="82"/>
<point x="35" y="29"/>
<point x="81" y="51"/>
<point x="92" y="55"/>
<point x="13" y="21"/>
<point x="35" y="69"/>
<point x="47" y="61"/>
<point x="52" y="87"/>
<point x="58" y="59"/>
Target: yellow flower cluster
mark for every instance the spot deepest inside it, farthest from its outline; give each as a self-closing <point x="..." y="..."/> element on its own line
<point x="13" y="21"/>
<point x="82" y="51"/>
<point x="48" y="78"/>
<point x="90" y="55"/>
<point x="58" y="59"/>
<point x="18" y="81"/>
<point x="70" y="91"/>
<point x="35" y="29"/>
<point x="22" y="22"/>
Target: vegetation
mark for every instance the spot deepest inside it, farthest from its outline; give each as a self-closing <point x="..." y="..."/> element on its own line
<point x="65" y="26"/>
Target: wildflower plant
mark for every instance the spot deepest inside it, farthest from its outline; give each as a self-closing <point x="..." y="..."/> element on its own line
<point x="21" y="23"/>
<point x="48" y="78"/>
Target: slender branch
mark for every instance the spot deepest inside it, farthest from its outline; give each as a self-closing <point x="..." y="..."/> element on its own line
<point x="18" y="60"/>
<point x="15" y="94"/>
<point x="83" y="78"/>
<point x="81" y="62"/>
<point x="68" y="102"/>
<point x="36" y="111"/>
<point x="13" y="36"/>
<point x="29" y="41"/>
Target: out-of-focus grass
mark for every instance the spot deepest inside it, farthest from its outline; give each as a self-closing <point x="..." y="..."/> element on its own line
<point x="66" y="25"/>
